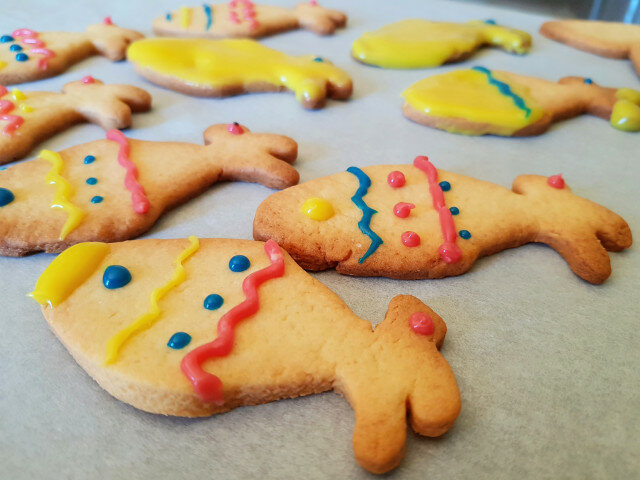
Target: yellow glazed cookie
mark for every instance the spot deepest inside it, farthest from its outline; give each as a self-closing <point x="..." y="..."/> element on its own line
<point x="27" y="55"/>
<point x="115" y="189"/>
<point x="221" y="68"/>
<point x="479" y="101"/>
<point x="31" y="117"/>
<point x="414" y="221"/>
<point x="243" y="18"/>
<point x="422" y="43"/>
<point x="607" y="39"/>
<point x="197" y="327"/>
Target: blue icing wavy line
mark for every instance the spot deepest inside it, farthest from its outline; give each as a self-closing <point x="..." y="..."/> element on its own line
<point x="505" y="90"/>
<point x="207" y="12"/>
<point x="367" y="212"/>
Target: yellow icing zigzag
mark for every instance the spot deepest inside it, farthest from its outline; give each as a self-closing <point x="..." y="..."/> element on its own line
<point x="185" y="16"/>
<point x="64" y="192"/>
<point x="148" y="319"/>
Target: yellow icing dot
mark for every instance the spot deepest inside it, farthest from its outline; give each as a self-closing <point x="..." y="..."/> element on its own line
<point x="185" y="16"/>
<point x="2" y="64"/>
<point x="25" y="108"/>
<point x="628" y="94"/>
<point x="317" y="209"/>
<point x="626" y="116"/>
<point x="67" y="271"/>
<point x="17" y="95"/>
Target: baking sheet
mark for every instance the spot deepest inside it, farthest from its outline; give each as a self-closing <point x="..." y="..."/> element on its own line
<point x="547" y="364"/>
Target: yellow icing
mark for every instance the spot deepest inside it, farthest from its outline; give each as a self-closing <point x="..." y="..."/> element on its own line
<point x="421" y="43"/>
<point x="184" y="14"/>
<point x="24" y="108"/>
<point x="626" y="116"/>
<point x="148" y="319"/>
<point x="17" y="95"/>
<point x="628" y="94"/>
<point x="468" y="95"/>
<point x="64" y="192"/>
<point x="317" y="209"/>
<point x="219" y="63"/>
<point x="2" y="64"/>
<point x="67" y="271"/>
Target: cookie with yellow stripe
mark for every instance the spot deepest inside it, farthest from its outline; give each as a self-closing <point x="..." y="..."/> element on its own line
<point x="197" y="327"/>
<point x="116" y="188"/>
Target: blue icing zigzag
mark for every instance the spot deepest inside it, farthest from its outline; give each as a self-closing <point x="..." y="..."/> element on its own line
<point x="367" y="212"/>
<point x="505" y="90"/>
<point x="207" y="12"/>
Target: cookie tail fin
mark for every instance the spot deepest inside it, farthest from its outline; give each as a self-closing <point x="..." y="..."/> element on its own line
<point x="253" y="157"/>
<point x="580" y="230"/>
<point x="112" y="41"/>
<point x="322" y="21"/>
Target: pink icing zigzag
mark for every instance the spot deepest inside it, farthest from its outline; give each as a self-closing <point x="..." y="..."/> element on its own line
<point x="7" y="106"/>
<point x="30" y="37"/>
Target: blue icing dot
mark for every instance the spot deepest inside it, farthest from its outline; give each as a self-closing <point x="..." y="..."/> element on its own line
<point x="179" y="340"/>
<point x="318" y="59"/>
<point x="97" y="199"/>
<point x="588" y="81"/>
<point x="6" y="197"/>
<point x="6" y="39"/>
<point x="91" y="180"/>
<point x="454" y="210"/>
<point x="490" y="21"/>
<point x="466" y="234"/>
<point x="445" y="186"/>
<point x="213" y="301"/>
<point x="116" y="276"/>
<point x="168" y="17"/>
<point x="239" y="263"/>
<point x="15" y="48"/>
<point x="89" y="159"/>
<point x="22" y="57"/>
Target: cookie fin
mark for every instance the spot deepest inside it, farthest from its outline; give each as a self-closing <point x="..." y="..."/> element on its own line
<point x="112" y="41"/>
<point x="319" y="20"/>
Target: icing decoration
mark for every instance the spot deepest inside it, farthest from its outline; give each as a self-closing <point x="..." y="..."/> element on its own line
<point x="107" y="21"/>
<point x="168" y="17"/>
<point x="476" y="95"/>
<point x="213" y="301"/>
<point x="139" y="200"/>
<point x="626" y="111"/>
<point x="416" y="43"/>
<point x="249" y="13"/>
<point x="396" y="179"/>
<point x="184" y="14"/>
<point x="89" y="159"/>
<point x="313" y="3"/>
<point x="22" y="57"/>
<point x="91" y="181"/>
<point x="556" y="181"/>
<point x="208" y="13"/>
<point x="454" y="210"/>
<point x="466" y="234"/>
<point x="6" y="106"/>
<point x="207" y="385"/>
<point x="588" y="81"/>
<point x="64" y="192"/>
<point x="87" y="79"/>
<point x="68" y="271"/>
<point x="318" y="59"/>
<point x="15" y="48"/>
<point x="235" y="128"/>
<point x="367" y="212"/>
<point x="402" y="209"/>
<point x="239" y="263"/>
<point x="421" y="323"/>
<point x="317" y="209"/>
<point x="116" y="276"/>
<point x="410" y="239"/>
<point x="490" y="21"/>
<point x="36" y="46"/>
<point x="179" y="340"/>
<point x="449" y="251"/>
<point x="6" y="39"/>
<point x="445" y="186"/>
<point x="147" y="320"/>
<point x="97" y="199"/>
<point x="24" y="108"/>
<point x="17" y="95"/>
<point x="6" y="197"/>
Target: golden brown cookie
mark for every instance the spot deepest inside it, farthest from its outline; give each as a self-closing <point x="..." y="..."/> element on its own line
<point x="414" y="221"/>
<point x="32" y="117"/>
<point x="197" y="327"/>
<point x="479" y="101"/>
<point x="243" y="18"/>
<point x="221" y="68"/>
<point x="115" y="189"/>
<point x="27" y="55"/>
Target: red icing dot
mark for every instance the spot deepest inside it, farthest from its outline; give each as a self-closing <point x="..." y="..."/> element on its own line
<point x="403" y="209"/>
<point x="396" y="179"/>
<point x="556" y="181"/>
<point x="107" y="21"/>
<point x="421" y="323"/>
<point x="235" y="128"/>
<point x="88" y="79"/>
<point x="411" y="239"/>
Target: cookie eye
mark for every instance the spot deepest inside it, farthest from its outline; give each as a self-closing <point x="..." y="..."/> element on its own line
<point x="318" y="59"/>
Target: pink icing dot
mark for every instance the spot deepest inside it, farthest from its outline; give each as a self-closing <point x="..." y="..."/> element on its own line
<point x="313" y="3"/>
<point x="235" y="128"/>
<point x="88" y="79"/>
<point x="421" y="323"/>
<point x="403" y="209"/>
<point x="396" y="179"/>
<point x="556" y="181"/>
<point x="411" y="239"/>
<point x="107" y="21"/>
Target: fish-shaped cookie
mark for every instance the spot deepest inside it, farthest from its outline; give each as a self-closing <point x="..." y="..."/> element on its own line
<point x="222" y="68"/>
<point x="415" y="221"/>
<point x="607" y="39"/>
<point x="115" y="189"/>
<point x="197" y="327"/>
<point x="479" y="101"/>
<point x="416" y="43"/>
<point x="27" y="55"/>
<point x="28" y="118"/>
<point x="243" y="18"/>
